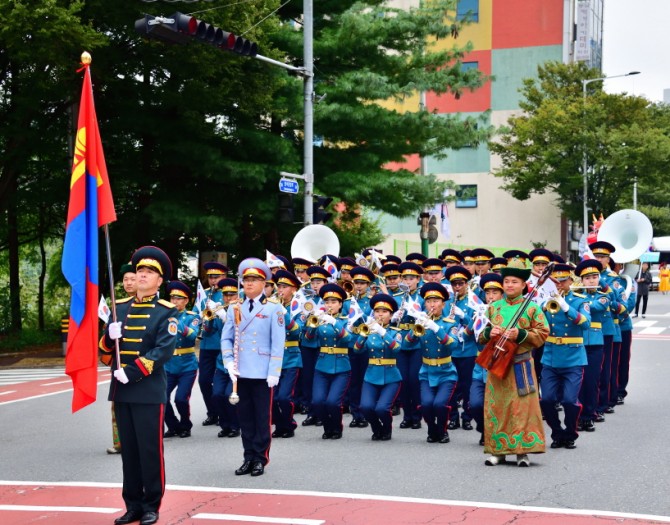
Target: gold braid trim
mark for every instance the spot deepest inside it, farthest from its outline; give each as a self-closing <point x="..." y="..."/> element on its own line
<point x="147" y="363"/>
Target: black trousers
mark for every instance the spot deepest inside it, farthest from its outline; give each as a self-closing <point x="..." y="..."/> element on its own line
<point x="141" y="432"/>
<point x="255" y="409"/>
<point x="644" y="299"/>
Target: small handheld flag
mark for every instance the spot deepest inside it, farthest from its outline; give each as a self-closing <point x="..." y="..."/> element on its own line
<point x="103" y="310"/>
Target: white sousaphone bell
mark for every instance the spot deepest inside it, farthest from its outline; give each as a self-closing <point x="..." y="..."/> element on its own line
<point x="631" y="233"/>
<point x="313" y="241"/>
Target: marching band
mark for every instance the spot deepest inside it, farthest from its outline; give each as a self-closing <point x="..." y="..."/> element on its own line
<point x="465" y="340"/>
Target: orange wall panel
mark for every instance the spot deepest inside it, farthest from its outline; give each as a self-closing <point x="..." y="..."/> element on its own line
<point x="527" y="23"/>
<point x="479" y="100"/>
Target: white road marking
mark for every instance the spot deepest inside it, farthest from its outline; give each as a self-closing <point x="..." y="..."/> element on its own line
<point x="257" y="519"/>
<point x="49" y="508"/>
<point x="652" y="330"/>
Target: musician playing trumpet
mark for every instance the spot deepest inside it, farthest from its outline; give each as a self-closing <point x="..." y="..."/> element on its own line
<point x="436" y="336"/>
<point x="513" y="422"/>
<point x="564" y="357"/>
<point x="381" y="343"/>
<point x="362" y="279"/>
<point x="333" y="370"/>
<point x="226" y="413"/>
<point x="599" y="303"/>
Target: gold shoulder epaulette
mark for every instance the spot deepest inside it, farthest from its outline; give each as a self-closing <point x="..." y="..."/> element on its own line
<point x="190" y="312"/>
<point x="579" y="295"/>
<point x="273" y="300"/>
<point x="165" y="303"/>
<point x="603" y="293"/>
<point x="396" y="328"/>
<point x="612" y="274"/>
<point x="119" y="301"/>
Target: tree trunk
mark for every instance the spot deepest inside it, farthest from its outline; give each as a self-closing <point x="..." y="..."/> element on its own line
<point x="13" y="250"/>
<point x="43" y="274"/>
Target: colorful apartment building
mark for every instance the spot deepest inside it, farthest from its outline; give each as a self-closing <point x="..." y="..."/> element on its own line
<point x="510" y="38"/>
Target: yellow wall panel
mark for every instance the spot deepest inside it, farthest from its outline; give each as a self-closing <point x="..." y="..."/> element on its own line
<point x="479" y="33"/>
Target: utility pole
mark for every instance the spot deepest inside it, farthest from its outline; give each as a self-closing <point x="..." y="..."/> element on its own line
<point x="308" y="76"/>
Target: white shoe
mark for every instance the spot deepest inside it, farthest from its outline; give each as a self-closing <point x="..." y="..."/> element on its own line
<point x="492" y="460"/>
<point x="112" y="450"/>
<point x="522" y="460"/>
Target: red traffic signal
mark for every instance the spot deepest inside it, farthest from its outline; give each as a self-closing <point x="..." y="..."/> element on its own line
<point x="180" y="29"/>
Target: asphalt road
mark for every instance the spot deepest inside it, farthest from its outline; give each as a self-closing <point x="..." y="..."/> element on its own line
<point x="624" y="466"/>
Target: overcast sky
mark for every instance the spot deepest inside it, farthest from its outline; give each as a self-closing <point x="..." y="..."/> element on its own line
<point x="636" y="37"/>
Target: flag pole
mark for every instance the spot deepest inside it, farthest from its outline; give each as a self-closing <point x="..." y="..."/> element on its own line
<point x="112" y="295"/>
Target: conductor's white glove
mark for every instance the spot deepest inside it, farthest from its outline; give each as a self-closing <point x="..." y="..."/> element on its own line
<point x="121" y="376"/>
<point x="114" y="330"/>
<point x="328" y="319"/>
<point x="431" y="325"/>
<point x="273" y="381"/>
<point x="232" y="371"/>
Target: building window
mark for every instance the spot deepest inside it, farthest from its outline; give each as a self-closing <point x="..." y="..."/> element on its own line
<point x="469" y="65"/>
<point x="469" y="8"/>
<point x="466" y="196"/>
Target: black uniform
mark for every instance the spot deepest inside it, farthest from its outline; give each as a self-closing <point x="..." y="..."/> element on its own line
<point x="147" y="343"/>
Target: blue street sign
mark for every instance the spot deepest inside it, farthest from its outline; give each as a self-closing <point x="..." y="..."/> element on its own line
<point x="288" y="185"/>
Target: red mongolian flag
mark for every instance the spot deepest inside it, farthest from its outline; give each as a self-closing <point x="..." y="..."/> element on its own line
<point x="91" y="206"/>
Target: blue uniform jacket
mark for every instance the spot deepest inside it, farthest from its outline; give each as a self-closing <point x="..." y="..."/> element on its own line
<point x="184" y="358"/>
<point x="211" y="330"/>
<point x="599" y="304"/>
<point x="304" y="341"/>
<point x="407" y="322"/>
<point x="468" y="348"/>
<point x="564" y="325"/>
<point x="262" y="334"/>
<point x="292" y="355"/>
<point x="333" y="344"/>
<point x="387" y="348"/>
<point x="437" y="346"/>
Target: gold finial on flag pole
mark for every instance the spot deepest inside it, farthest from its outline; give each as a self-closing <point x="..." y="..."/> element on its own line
<point x="86" y="58"/>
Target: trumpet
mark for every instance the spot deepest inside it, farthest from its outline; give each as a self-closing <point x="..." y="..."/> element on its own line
<point x="366" y="327"/>
<point x="418" y="328"/>
<point x="209" y="314"/>
<point x="552" y="305"/>
<point x="348" y="287"/>
<point x="314" y="320"/>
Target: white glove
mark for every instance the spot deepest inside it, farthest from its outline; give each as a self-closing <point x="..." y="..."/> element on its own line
<point x="328" y="319"/>
<point x="232" y="371"/>
<point x="120" y="375"/>
<point x="211" y="305"/>
<point x="397" y="316"/>
<point x="563" y="303"/>
<point x="114" y="331"/>
<point x="379" y="329"/>
<point x="273" y="381"/>
<point x="221" y="314"/>
<point x="431" y="325"/>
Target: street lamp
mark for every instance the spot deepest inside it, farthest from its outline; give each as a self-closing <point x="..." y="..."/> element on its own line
<point x="585" y="82"/>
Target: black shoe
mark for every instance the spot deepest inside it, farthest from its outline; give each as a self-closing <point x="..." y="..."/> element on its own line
<point x="466" y="425"/>
<point x="481" y="441"/>
<point x="588" y="426"/>
<point x="129" y="517"/>
<point x="609" y="410"/>
<point x="569" y="444"/>
<point x="170" y="433"/>
<point x="599" y="418"/>
<point x="336" y="435"/>
<point x="223" y="433"/>
<point x="277" y="433"/>
<point x="309" y="421"/>
<point x="386" y="437"/>
<point x="303" y="410"/>
<point x="326" y="435"/>
<point x="557" y="443"/>
<point x="416" y="425"/>
<point x="453" y="424"/>
<point x="445" y="438"/>
<point x="149" y="518"/>
<point x="354" y="423"/>
<point x="234" y="433"/>
<point x="211" y="420"/>
<point x="288" y="433"/>
<point x="395" y="411"/>
<point x="244" y="469"/>
<point x="362" y="423"/>
<point x="405" y="424"/>
<point x="431" y="439"/>
<point x="318" y="423"/>
<point x="185" y="434"/>
<point x="376" y="437"/>
<point x="257" y="469"/>
<point x="619" y="400"/>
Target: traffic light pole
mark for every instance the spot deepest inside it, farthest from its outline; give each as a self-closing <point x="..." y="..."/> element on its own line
<point x="308" y="147"/>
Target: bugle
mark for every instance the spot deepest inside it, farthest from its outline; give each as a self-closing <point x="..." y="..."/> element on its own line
<point x="209" y="314"/>
<point x="552" y="305"/>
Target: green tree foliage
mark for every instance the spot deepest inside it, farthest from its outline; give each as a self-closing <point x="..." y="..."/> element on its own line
<point x="625" y="139"/>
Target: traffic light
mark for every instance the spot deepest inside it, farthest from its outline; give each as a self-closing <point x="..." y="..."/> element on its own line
<point x="320" y="215"/>
<point x="285" y="207"/>
<point x="180" y="29"/>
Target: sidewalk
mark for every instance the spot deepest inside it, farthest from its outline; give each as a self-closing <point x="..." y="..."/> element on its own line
<point x="43" y="357"/>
